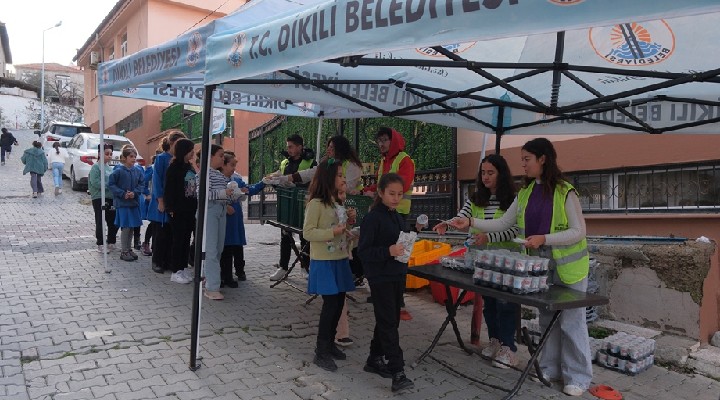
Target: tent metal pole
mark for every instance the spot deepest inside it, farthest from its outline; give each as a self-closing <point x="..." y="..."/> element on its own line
<point x="557" y="76"/>
<point x="618" y="107"/>
<point x="199" y="228"/>
<point x="698" y="77"/>
<point x="492" y="78"/>
<point x="500" y="130"/>
<point x="453" y="172"/>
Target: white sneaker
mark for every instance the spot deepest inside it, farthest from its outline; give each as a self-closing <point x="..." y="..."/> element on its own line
<point x="504" y="358"/>
<point x="573" y="390"/>
<point x="491" y="349"/>
<point x="111" y="247"/>
<point x="188" y="273"/>
<point x="179" y="277"/>
<point x="278" y="274"/>
<point x="101" y="249"/>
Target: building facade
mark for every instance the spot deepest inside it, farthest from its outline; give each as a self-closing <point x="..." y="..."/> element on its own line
<point x="133" y="25"/>
<point x="5" y="54"/>
<point x="64" y="84"/>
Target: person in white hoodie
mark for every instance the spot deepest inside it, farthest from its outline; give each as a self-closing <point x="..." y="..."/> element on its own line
<point x="56" y="162"/>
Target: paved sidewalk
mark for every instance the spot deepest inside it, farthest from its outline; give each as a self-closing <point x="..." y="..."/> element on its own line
<point x="68" y="330"/>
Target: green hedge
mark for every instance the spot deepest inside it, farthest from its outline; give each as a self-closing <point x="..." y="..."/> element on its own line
<point x="171" y="117"/>
<point x="429" y="145"/>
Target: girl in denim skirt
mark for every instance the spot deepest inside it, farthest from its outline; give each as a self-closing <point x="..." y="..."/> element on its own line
<point x="330" y="275"/>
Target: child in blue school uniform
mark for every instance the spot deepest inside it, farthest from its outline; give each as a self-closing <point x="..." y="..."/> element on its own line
<point x="126" y="186"/>
<point x="233" y="253"/>
<point x="145" y="206"/>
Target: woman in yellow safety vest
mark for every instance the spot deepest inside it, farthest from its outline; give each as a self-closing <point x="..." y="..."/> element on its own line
<point x="547" y="211"/>
<point x="495" y="192"/>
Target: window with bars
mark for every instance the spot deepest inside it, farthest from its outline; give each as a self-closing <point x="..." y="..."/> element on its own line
<point x="676" y="188"/>
<point x="668" y="188"/>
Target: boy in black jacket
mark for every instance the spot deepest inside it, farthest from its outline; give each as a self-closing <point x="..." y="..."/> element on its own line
<point x="377" y="249"/>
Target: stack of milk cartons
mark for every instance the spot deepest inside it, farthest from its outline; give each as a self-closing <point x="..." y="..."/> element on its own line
<point x="626" y="353"/>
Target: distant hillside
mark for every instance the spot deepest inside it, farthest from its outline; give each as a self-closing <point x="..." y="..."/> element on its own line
<point x="23" y="113"/>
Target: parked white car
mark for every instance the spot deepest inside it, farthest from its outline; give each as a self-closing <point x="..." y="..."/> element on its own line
<point x="60" y="131"/>
<point x="82" y="153"/>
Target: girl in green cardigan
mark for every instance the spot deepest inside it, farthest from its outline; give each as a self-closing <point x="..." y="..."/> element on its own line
<point x="330" y="275"/>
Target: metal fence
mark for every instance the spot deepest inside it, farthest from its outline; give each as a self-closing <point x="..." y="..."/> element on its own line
<point x="671" y="188"/>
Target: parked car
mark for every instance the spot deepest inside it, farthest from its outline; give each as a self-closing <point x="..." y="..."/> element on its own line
<point x="60" y="131"/>
<point x="83" y="153"/>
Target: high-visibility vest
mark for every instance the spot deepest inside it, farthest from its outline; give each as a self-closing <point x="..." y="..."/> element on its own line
<point x="359" y="186"/>
<point x="572" y="261"/>
<point x="304" y="164"/>
<point x="404" y="206"/>
<point x="479" y="213"/>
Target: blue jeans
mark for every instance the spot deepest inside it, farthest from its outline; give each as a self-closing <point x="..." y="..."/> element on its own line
<point x="567" y="351"/>
<point x="214" y="243"/>
<point x="57" y="168"/>
<point x="501" y="319"/>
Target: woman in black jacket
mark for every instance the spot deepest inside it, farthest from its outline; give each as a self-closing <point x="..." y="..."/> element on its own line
<point x="377" y="249"/>
<point x="181" y="204"/>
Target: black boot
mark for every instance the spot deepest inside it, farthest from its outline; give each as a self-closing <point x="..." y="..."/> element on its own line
<point x="376" y="365"/>
<point x="323" y="357"/>
<point x="336" y="353"/>
<point x="157" y="268"/>
<point x="400" y="382"/>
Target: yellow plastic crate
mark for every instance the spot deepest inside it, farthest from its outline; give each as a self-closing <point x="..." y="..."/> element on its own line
<point x="424" y="251"/>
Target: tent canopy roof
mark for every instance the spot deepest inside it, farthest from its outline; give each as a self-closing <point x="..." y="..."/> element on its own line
<point x="492" y="65"/>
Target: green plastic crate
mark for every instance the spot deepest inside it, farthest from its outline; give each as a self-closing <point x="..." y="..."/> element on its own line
<point x="286" y="205"/>
<point x="300" y="202"/>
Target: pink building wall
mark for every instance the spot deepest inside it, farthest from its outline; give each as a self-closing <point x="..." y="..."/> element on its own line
<point x="147" y="23"/>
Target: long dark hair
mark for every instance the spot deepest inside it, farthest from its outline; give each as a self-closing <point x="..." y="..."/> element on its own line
<point x="383" y="183"/>
<point x="551" y="174"/>
<point x="505" y="189"/>
<point x="182" y="148"/>
<point x="343" y="150"/>
<point x="323" y="183"/>
<point x="56" y="146"/>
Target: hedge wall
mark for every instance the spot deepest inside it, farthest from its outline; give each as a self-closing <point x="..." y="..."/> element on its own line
<point x="173" y="117"/>
<point x="429" y="145"/>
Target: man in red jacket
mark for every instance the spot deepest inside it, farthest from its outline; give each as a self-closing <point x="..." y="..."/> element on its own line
<point x="391" y="145"/>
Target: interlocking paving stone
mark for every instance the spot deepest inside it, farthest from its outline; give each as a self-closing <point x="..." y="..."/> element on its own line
<point x="256" y="344"/>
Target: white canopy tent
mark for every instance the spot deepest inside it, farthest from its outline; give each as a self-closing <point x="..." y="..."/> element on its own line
<point x="510" y="67"/>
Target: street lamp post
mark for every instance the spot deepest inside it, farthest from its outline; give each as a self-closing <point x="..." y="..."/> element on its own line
<point x="42" y="78"/>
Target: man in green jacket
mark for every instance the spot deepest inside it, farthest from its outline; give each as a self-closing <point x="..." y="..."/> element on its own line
<point x="297" y="158"/>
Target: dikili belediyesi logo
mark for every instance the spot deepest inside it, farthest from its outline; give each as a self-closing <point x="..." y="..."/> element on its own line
<point x="194" y="47"/>
<point x="235" y="55"/>
<point x="634" y="44"/>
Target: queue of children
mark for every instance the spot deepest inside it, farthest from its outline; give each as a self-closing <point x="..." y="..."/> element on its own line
<point x="544" y="213"/>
